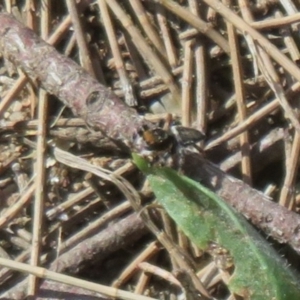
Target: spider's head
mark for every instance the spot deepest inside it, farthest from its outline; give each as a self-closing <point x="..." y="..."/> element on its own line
<point x="166" y="147"/>
<point x="157" y="139"/>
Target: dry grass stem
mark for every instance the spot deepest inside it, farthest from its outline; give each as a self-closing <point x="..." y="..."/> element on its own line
<point x="147" y="52"/>
<point x="240" y="99"/>
<point x="147" y="26"/>
<point x="67" y="182"/>
<point x="43" y="273"/>
<point x="151" y="250"/>
<point x="85" y="55"/>
<point x="286" y="195"/>
<point x="167" y="39"/>
<point x="119" y="64"/>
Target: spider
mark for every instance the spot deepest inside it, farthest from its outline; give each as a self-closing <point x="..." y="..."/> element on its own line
<point x="166" y="146"/>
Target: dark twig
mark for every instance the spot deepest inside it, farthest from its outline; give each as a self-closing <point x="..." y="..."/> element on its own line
<point x="98" y="246"/>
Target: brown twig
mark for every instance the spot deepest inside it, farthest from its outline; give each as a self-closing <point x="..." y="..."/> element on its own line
<point x="60" y="76"/>
<point x="240" y="99"/>
<point x="276" y="22"/>
<point x="291" y="9"/>
<point x="200" y="25"/>
<point x="149" y="29"/>
<point x="187" y="83"/>
<point x="22" y="80"/>
<point x="288" y="40"/>
<point x="147" y="52"/>
<point x="114" y="46"/>
<point x="14" y="210"/>
<point x="275" y="220"/>
<point x="151" y="250"/>
<point x="266" y="151"/>
<point x="201" y="75"/>
<point x="98" y="246"/>
<point x="85" y="55"/>
<point x="251" y="120"/>
<point x="166" y="36"/>
<point x="286" y="194"/>
<point x="265" y="44"/>
<point x="40" y="170"/>
<point x="232" y="190"/>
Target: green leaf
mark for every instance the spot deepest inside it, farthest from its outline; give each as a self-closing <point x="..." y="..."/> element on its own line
<point x="260" y="273"/>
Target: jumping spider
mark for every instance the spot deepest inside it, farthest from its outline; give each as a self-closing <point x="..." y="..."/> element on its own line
<point x="167" y="146"/>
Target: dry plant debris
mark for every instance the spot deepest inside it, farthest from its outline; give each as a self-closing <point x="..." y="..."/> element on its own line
<point x="228" y="69"/>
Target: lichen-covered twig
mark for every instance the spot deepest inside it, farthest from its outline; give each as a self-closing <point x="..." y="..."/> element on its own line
<point x="275" y="220"/>
<point x="61" y="76"/>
